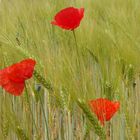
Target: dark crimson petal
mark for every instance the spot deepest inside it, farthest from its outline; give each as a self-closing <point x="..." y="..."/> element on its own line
<point x="69" y="18"/>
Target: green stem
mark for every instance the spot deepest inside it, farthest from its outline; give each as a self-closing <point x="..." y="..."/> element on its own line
<point x="77" y="48"/>
<point x="46" y="123"/>
<point x="26" y="92"/>
<point x="78" y="62"/>
<point x="75" y="38"/>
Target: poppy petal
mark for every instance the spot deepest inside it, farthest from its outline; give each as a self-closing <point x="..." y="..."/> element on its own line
<point x="12" y="78"/>
<point x="21" y="71"/>
<point x="104" y="108"/>
<point x="81" y="12"/>
<point x="11" y="87"/>
<point x="27" y="68"/>
<point x="69" y="18"/>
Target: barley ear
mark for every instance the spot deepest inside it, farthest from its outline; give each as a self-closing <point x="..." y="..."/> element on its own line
<point x="21" y="134"/>
<point x="43" y="81"/>
<point x="5" y="126"/>
<point x="93" y="120"/>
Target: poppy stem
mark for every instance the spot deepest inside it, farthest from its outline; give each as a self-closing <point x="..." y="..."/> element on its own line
<point x="75" y="38"/>
<point x="76" y="43"/>
<point x="77" y="48"/>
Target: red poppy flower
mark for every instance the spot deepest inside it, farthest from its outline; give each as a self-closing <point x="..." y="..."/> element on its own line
<point x="104" y="109"/>
<point x="69" y="18"/>
<point x="12" y="78"/>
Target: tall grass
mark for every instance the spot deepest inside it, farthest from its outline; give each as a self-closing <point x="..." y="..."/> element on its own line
<point x="108" y="47"/>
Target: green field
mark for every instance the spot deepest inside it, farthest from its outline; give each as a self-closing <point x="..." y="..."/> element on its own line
<point x="101" y="60"/>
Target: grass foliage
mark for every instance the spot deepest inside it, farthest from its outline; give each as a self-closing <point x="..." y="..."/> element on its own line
<point x="54" y="103"/>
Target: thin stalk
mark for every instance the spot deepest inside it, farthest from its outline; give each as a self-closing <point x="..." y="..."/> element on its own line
<point x="75" y="38"/>
<point x="77" y="48"/>
<point x="69" y="126"/>
<point x="46" y="123"/>
<point x="26" y="92"/>
<point x="108" y="136"/>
